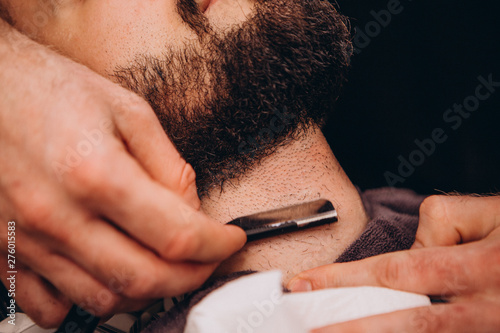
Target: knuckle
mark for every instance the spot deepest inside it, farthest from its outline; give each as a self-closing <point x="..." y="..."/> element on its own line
<point x="140" y="107"/>
<point x="143" y="285"/>
<point x="101" y="304"/>
<point x="427" y="319"/>
<point x="88" y="178"/>
<point x="433" y="208"/>
<point x="45" y="316"/>
<point x="435" y="227"/>
<point x="108" y="305"/>
<point x="181" y="245"/>
<point x="390" y="270"/>
<point x="441" y="318"/>
<point x="93" y="179"/>
<point x="132" y="105"/>
<point x="36" y="212"/>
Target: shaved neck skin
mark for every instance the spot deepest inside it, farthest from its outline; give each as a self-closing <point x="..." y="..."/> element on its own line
<point x="301" y="171"/>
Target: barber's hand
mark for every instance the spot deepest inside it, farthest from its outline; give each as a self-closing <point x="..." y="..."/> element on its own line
<point x="105" y="209"/>
<point x="467" y="275"/>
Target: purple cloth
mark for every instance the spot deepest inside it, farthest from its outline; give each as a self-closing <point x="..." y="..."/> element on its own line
<point x="392" y="226"/>
<point x="393" y="223"/>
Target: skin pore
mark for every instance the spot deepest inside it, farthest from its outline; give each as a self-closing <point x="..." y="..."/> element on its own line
<point x="216" y="76"/>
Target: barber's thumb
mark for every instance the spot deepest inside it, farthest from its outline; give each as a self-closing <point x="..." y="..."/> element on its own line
<point x="436" y="226"/>
<point x="452" y="220"/>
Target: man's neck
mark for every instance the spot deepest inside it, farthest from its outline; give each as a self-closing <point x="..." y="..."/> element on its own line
<point x="300" y="171"/>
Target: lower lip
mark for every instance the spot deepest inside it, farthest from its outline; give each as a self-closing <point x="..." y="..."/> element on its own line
<point x="210" y="4"/>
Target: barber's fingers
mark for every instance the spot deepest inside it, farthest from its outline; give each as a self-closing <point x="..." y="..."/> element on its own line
<point x="439" y="271"/>
<point x="101" y="250"/>
<point x="478" y="316"/>
<point x="155" y="216"/>
<point x="45" y="302"/>
<point x="35" y="295"/>
<point x="146" y="140"/>
<point x="104" y="268"/>
<point x="450" y="220"/>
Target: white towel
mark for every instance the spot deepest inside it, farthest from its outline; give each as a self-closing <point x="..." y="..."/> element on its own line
<point x="256" y="303"/>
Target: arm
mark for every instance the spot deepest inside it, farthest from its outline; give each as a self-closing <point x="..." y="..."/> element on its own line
<point x="456" y="257"/>
<point x="105" y="208"/>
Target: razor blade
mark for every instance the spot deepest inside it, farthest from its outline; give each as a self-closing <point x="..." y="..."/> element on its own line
<point x="283" y="220"/>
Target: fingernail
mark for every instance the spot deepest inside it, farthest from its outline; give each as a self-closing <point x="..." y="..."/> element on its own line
<point x="300" y="285"/>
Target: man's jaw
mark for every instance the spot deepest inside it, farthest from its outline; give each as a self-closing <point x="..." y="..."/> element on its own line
<point x="266" y="77"/>
<point x="301" y="171"/>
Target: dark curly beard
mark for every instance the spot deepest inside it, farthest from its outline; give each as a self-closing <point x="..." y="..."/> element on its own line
<point x="230" y="99"/>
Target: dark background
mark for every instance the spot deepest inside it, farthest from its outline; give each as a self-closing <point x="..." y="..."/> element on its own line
<point x="426" y="59"/>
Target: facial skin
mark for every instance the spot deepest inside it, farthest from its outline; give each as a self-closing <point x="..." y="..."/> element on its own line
<point x="215" y="81"/>
<point x="301" y="171"/>
<point x="106" y="34"/>
<point x="216" y="78"/>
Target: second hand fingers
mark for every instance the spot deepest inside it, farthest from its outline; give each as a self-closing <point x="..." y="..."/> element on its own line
<point x="433" y="271"/>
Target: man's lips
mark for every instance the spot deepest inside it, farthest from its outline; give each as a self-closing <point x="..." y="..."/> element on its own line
<point x="205" y="4"/>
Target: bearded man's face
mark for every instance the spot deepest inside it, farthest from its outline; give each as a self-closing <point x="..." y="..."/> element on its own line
<point x="230" y="80"/>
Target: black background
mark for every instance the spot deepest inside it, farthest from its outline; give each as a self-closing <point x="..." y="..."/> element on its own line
<point x="426" y="59"/>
